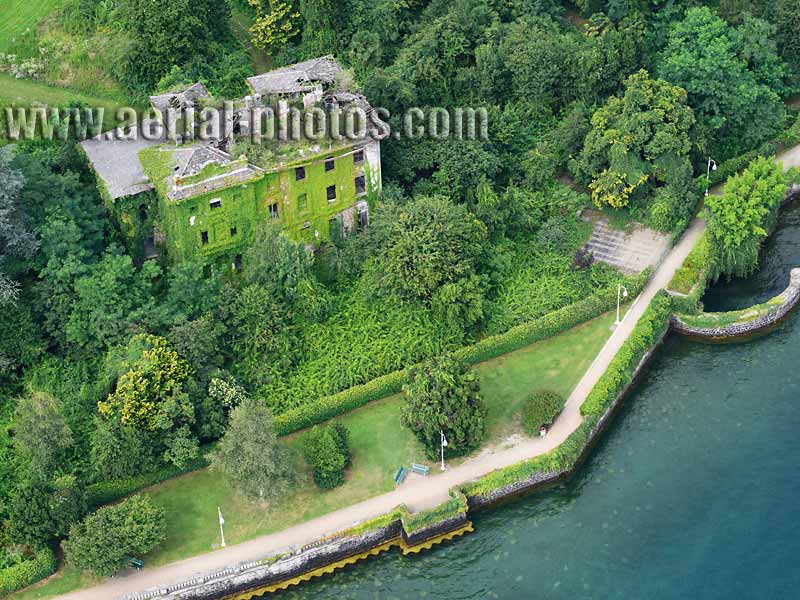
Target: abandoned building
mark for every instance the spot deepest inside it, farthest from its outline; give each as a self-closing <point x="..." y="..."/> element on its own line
<point x="187" y="199"/>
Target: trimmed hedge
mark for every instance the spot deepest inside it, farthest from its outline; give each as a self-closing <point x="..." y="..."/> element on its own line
<point x="491" y="347"/>
<point x="27" y="573"/>
<point x="691" y="279"/>
<point x="105" y="492"/>
<point x="648" y="331"/>
<point x="430" y="518"/>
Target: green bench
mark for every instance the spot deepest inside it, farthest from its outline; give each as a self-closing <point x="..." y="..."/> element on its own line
<point x="421" y="469"/>
<point x="401" y="475"/>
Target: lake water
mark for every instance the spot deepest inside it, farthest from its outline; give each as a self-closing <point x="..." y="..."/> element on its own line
<point x="693" y="492"/>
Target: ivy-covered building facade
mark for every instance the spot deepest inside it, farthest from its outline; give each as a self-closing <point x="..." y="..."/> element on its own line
<point x="205" y="200"/>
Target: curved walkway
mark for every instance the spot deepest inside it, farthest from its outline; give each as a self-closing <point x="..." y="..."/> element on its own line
<point x="417" y="494"/>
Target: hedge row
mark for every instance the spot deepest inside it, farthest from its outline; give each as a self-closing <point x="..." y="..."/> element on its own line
<point x="691" y="279"/>
<point x="647" y="332"/>
<point x="27" y="573"/>
<point x="517" y="337"/>
<point x="104" y="492"/>
<point x="430" y="518"/>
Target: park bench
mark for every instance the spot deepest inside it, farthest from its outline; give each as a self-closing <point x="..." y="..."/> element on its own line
<point x="401" y="475"/>
<point x="137" y="563"/>
<point x="421" y="469"/>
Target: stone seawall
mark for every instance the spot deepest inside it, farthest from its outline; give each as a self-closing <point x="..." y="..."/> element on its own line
<point x="780" y="307"/>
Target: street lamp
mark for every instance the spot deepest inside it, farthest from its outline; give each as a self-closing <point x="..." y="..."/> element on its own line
<point x="221" y="523"/>
<point x="712" y="166"/>
<point x="621" y="289"/>
<point x="444" y="445"/>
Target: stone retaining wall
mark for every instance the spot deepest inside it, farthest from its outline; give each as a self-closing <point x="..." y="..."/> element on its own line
<point x="787" y="300"/>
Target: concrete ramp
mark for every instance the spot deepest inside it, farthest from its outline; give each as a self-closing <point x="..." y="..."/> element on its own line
<point x="631" y="250"/>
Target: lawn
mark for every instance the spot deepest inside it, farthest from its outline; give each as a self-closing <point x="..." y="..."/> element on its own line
<point x="379" y="445"/>
<point x="21" y="15"/>
<point x="23" y="92"/>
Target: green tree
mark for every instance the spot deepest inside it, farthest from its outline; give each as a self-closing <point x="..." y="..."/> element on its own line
<point x="110" y="300"/>
<point x="787" y="21"/>
<point x="117" y="452"/>
<point x="638" y="143"/>
<point x="324" y="453"/>
<point x="743" y="216"/>
<point x="250" y="456"/>
<point x="16" y="239"/>
<point x="175" y="33"/>
<point x="32" y="520"/>
<point x="734" y="110"/>
<point x="275" y="24"/>
<point x="430" y="250"/>
<point x="442" y="395"/>
<point x="105" y="541"/>
<point x="42" y="436"/>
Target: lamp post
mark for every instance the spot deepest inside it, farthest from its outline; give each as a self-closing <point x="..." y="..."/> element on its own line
<point x="221" y="523"/>
<point x="712" y="166"/>
<point x="621" y="289"/>
<point x="444" y="445"/>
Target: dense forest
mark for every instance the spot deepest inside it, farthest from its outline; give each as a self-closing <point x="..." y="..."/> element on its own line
<point x="112" y="367"/>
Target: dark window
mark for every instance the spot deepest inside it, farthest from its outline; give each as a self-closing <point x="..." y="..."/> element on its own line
<point x="361" y="184"/>
<point x="234" y="231"/>
<point x="302" y="202"/>
<point x="273" y="211"/>
<point x="192" y="210"/>
<point x="331" y="193"/>
<point x="204" y="237"/>
<point x="206" y="271"/>
<point x="299" y="173"/>
<point x="143" y="212"/>
<point x="237" y="262"/>
<point x="330" y="164"/>
<point x="363" y="218"/>
<point x="358" y="157"/>
<point x="216" y="203"/>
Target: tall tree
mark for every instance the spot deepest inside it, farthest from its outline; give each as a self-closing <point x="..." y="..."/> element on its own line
<point x="443" y="396"/>
<point x="741" y="218"/>
<point x="42" y="435"/>
<point x="250" y="456"/>
<point x="106" y="540"/>
<point x="638" y="143"/>
<point x="17" y="241"/>
<point x="734" y="110"/>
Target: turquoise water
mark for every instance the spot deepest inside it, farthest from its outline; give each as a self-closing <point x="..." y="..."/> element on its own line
<point x="692" y="493"/>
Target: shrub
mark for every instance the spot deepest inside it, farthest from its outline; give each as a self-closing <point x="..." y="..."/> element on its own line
<point x="135" y="526"/>
<point x="326" y="452"/>
<point x="541" y="408"/>
<point x="28" y="572"/>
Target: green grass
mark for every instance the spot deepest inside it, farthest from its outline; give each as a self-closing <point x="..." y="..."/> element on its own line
<point x="706" y="320"/>
<point x="25" y="92"/>
<point x="379" y="445"/>
<point x="21" y="15"/>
